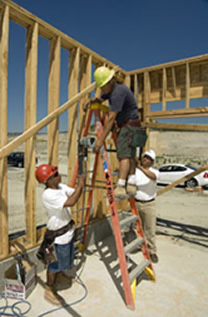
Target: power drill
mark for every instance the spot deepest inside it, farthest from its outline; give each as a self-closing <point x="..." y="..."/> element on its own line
<point x="84" y="144"/>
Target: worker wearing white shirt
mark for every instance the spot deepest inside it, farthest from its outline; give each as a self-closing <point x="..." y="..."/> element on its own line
<point x="146" y="180"/>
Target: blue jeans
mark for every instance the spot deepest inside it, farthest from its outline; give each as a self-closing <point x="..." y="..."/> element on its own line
<point x="65" y="257"/>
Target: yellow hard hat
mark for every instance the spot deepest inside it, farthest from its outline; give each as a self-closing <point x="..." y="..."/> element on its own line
<point x="103" y="75"/>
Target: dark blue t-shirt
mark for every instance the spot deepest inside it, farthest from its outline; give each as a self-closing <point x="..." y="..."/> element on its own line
<point x="122" y="100"/>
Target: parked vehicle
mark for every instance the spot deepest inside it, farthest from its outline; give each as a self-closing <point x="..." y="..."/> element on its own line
<point x="171" y="172"/>
<point x="17" y="159"/>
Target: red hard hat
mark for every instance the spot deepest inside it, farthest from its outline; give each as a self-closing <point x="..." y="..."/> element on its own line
<point x="44" y="171"/>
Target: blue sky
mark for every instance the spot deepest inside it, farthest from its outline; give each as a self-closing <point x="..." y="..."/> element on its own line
<point x="133" y="34"/>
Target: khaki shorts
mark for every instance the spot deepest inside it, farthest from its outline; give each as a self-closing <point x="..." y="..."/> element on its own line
<point x="124" y="148"/>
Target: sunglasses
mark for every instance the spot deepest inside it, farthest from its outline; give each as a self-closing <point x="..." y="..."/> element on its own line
<point x="54" y="175"/>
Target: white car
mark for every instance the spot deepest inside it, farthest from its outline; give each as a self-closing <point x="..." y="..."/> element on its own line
<point x="171" y="172"/>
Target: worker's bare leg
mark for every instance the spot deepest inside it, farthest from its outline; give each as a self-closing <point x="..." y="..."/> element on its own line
<point x="132" y="167"/>
<point x="124" y="166"/>
<point x="131" y="184"/>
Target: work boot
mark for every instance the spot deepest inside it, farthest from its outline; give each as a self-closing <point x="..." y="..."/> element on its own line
<point x="120" y="191"/>
<point x="131" y="189"/>
<point x="154" y="258"/>
<point x="51" y="296"/>
<point x="64" y="279"/>
<point x="50" y="293"/>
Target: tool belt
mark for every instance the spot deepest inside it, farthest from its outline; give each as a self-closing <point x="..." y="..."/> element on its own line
<point x="46" y="249"/>
<point x="130" y="122"/>
<point x="50" y="235"/>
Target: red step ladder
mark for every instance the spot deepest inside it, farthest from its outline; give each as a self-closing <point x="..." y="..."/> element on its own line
<point x="132" y="219"/>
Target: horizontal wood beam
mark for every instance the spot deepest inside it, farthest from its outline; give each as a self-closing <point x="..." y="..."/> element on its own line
<point x="181" y="180"/>
<point x="181" y="113"/>
<point x="172" y="126"/>
<point x="177" y="94"/>
<point x="199" y="58"/>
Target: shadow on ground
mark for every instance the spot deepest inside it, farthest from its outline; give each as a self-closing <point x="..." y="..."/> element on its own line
<point x="106" y="249"/>
<point x="189" y="233"/>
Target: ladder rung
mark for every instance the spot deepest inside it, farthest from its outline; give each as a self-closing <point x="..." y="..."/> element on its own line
<point x="115" y="268"/>
<point x="92" y="133"/>
<point x="89" y="171"/>
<point x="80" y="209"/>
<point x="99" y="181"/>
<point x="122" y="198"/>
<point x="132" y="246"/>
<point x="128" y="220"/>
<point x="106" y="253"/>
<point x="114" y="173"/>
<point x="111" y="150"/>
<point x="138" y="270"/>
<point x="94" y="186"/>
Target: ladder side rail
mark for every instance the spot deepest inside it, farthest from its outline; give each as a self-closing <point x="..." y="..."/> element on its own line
<point x="139" y="227"/>
<point x="115" y="218"/>
<point x="90" y="198"/>
<point x="140" y="231"/>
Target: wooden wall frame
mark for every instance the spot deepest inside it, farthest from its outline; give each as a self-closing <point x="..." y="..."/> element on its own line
<point x="180" y="80"/>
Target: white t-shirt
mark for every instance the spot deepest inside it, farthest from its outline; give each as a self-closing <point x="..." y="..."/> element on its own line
<point x="59" y="216"/>
<point x="146" y="188"/>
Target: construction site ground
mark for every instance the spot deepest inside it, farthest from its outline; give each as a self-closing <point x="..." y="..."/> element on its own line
<point x="181" y="274"/>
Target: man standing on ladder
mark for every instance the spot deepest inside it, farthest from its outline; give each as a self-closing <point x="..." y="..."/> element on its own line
<point x="123" y="110"/>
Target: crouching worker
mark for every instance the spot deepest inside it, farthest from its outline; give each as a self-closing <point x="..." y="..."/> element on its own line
<point x="57" y="199"/>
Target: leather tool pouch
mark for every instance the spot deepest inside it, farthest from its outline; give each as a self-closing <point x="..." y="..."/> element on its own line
<point x="138" y="138"/>
<point x="46" y="250"/>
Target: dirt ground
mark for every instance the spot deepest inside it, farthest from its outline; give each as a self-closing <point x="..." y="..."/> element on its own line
<point x="183" y="216"/>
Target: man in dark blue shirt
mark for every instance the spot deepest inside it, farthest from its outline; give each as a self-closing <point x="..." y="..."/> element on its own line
<point x="123" y="111"/>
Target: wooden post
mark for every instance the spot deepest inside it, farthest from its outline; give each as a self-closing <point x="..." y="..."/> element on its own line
<point x="85" y="80"/>
<point x="4" y="36"/>
<point x="30" y="119"/>
<point x="101" y="204"/>
<point x="73" y="84"/>
<point x="127" y="81"/>
<point x="164" y="89"/>
<point x="146" y="111"/>
<point x="53" y="99"/>
<point x="136" y="90"/>
<point x="174" y="81"/>
<point x="187" y="86"/>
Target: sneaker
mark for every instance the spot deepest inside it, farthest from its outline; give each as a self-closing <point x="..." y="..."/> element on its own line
<point x="154" y="258"/>
<point x="120" y="191"/>
<point x="131" y="189"/>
